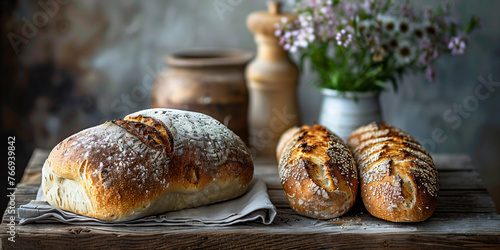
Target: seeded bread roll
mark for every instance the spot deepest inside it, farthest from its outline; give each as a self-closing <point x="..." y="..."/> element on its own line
<point x="398" y="178"/>
<point x="317" y="172"/>
<point x="151" y="162"/>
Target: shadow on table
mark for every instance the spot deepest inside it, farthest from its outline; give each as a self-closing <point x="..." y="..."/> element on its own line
<point x="487" y="158"/>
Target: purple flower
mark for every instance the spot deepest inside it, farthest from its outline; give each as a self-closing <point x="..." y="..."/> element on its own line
<point x="311" y="3"/>
<point x="428" y="56"/>
<point x="369" y="6"/>
<point x="369" y="31"/>
<point x="350" y="9"/>
<point x="407" y="10"/>
<point x="343" y="38"/>
<point x="326" y="10"/>
<point x="430" y="73"/>
<point x="457" y="45"/>
<point x="425" y="43"/>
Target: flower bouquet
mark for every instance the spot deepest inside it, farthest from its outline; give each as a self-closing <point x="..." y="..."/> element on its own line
<point x="361" y="45"/>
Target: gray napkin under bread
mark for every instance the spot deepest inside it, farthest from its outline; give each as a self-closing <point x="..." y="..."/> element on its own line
<point x="253" y="205"/>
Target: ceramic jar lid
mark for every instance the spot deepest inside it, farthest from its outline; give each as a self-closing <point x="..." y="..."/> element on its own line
<point x="209" y="58"/>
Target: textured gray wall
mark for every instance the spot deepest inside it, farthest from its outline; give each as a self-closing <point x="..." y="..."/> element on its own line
<point x="115" y="48"/>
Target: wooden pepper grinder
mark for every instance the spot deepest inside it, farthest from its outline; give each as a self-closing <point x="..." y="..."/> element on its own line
<point x="272" y="82"/>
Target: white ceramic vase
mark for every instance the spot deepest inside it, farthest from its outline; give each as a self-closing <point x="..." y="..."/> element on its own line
<point x="343" y="112"/>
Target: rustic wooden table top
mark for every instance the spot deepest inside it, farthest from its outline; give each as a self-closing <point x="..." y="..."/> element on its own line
<point x="465" y="217"/>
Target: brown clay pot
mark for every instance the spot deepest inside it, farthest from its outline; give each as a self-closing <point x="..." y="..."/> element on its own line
<point x="206" y="81"/>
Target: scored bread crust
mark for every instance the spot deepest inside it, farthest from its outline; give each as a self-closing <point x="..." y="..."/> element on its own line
<point x="151" y="162"/>
<point x="317" y="171"/>
<point x="398" y="179"/>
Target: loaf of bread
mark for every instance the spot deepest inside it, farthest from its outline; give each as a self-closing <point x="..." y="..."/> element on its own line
<point x="398" y="179"/>
<point x="151" y="162"/>
<point x="317" y="172"/>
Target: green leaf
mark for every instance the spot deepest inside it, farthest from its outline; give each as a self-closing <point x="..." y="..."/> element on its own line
<point x="379" y="83"/>
<point x="394" y="83"/>
<point x="302" y="60"/>
<point x="473" y="23"/>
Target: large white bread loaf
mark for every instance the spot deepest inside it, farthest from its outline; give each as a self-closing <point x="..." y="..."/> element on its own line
<point x="398" y="179"/>
<point x="150" y="162"/>
<point x="317" y="172"/>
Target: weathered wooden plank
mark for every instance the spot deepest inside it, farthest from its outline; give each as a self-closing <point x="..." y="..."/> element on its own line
<point x="479" y="228"/>
<point x="287" y="221"/>
<point x="256" y="240"/>
<point x="460" y="180"/>
<point x="452" y="199"/>
<point x="38" y="158"/>
<point x="450" y="162"/>
<point x="33" y="172"/>
<point x="449" y="201"/>
<point x="464" y="218"/>
<point x="265" y="161"/>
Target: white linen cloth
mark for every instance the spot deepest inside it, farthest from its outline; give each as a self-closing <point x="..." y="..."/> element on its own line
<point x="253" y="205"/>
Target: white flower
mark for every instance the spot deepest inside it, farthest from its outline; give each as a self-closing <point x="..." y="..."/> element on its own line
<point x="405" y="53"/>
<point x="364" y="26"/>
<point x="405" y="27"/>
<point x="418" y="31"/>
<point x="387" y="23"/>
<point x="287" y="35"/>
<point x="430" y="29"/>
<point x="303" y="21"/>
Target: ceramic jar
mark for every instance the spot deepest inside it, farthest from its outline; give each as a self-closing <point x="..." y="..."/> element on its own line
<point x="343" y="112"/>
<point x="207" y="81"/>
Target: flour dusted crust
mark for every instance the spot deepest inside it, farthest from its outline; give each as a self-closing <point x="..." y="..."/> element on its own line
<point x="317" y="172"/>
<point x="151" y="162"/>
<point x="398" y="179"/>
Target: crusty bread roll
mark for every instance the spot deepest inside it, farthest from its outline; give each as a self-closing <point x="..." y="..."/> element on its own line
<point x="317" y="172"/>
<point x="398" y="178"/>
<point x="150" y="162"/>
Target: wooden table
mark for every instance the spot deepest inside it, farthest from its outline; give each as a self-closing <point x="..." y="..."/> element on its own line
<point x="465" y="217"/>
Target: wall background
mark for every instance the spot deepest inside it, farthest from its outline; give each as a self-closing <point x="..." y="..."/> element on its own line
<point x="93" y="61"/>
